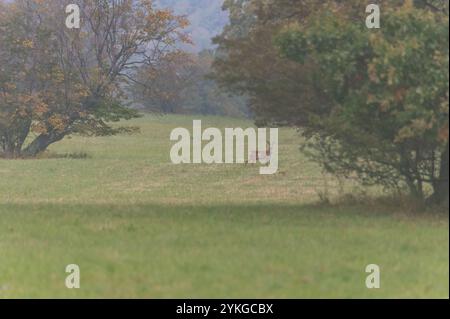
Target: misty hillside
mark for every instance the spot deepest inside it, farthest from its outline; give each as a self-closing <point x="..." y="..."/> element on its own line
<point x="206" y="17"/>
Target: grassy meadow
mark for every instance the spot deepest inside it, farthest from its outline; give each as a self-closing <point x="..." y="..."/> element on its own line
<point x="140" y="227"/>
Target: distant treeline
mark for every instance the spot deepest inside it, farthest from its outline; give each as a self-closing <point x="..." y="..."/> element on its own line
<point x="182" y="84"/>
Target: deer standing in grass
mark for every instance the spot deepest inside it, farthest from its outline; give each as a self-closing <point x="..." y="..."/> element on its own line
<point x="257" y="155"/>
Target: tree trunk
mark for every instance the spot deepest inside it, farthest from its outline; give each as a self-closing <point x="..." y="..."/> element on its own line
<point x="41" y="143"/>
<point x="11" y="150"/>
<point x="441" y="186"/>
<point x="14" y="137"/>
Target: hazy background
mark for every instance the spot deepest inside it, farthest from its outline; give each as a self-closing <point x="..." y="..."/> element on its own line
<point x="206" y="17"/>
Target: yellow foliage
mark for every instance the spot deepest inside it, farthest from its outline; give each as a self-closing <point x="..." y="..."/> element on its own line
<point x="28" y="44"/>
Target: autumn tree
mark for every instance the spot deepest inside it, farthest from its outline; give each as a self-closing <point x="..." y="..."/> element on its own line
<point x="181" y="84"/>
<point x="18" y="100"/>
<point x="161" y="87"/>
<point x="57" y="81"/>
<point x="386" y="116"/>
<point x="247" y="63"/>
<point x="285" y="81"/>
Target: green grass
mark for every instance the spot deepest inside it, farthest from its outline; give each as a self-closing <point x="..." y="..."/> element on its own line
<point x="140" y="227"/>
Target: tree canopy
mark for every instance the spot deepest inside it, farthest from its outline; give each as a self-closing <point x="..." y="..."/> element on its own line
<point x="56" y="81"/>
<point x="370" y="102"/>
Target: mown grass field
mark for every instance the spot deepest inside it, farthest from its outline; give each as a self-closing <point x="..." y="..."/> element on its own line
<point x="141" y="227"/>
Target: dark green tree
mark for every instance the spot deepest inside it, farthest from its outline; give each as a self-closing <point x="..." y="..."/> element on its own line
<point x="321" y="83"/>
<point x="386" y="112"/>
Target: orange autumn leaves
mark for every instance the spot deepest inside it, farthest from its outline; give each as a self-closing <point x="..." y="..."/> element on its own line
<point x="55" y="81"/>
